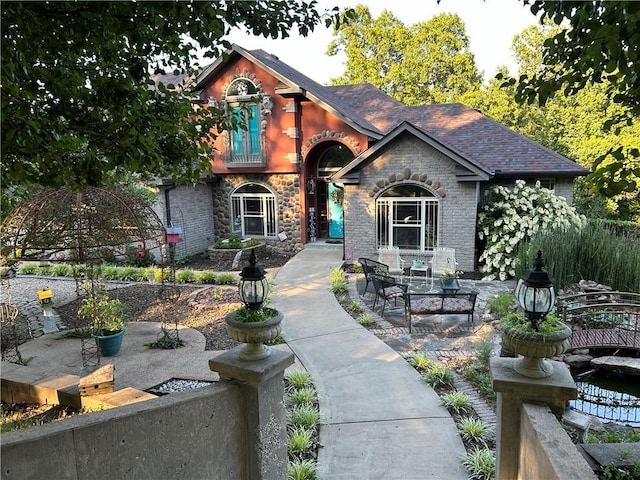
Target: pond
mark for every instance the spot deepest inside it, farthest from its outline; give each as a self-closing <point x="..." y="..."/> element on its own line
<point x="611" y="398"/>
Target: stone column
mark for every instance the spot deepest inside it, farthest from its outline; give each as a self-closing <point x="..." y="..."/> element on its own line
<point x="513" y="390"/>
<point x="262" y="389"/>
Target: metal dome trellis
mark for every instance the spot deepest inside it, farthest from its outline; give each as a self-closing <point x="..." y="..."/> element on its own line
<point x="85" y="226"/>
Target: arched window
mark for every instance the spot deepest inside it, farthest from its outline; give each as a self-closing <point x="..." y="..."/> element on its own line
<point x="253" y="209"/>
<point x="333" y="160"/>
<point x="245" y="145"/>
<point x="407" y="217"/>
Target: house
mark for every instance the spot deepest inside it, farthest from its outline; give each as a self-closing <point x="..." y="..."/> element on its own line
<point x="350" y="164"/>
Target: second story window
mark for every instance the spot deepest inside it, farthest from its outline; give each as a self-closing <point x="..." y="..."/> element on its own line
<point x="245" y="141"/>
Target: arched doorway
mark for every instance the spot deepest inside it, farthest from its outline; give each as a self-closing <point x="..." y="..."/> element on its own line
<point x="324" y="198"/>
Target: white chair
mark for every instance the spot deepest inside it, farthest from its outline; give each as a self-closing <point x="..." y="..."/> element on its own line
<point x="391" y="256"/>
<point x="443" y="258"/>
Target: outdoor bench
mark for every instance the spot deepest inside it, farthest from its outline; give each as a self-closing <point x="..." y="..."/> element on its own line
<point x="438" y="303"/>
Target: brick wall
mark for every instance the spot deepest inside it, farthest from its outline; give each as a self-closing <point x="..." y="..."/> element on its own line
<point x="411" y="160"/>
<point x="191" y="209"/>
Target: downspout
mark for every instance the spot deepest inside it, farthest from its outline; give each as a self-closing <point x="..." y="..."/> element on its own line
<point x="167" y="203"/>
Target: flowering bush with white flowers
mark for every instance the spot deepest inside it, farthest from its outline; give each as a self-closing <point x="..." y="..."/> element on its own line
<point x="517" y="214"/>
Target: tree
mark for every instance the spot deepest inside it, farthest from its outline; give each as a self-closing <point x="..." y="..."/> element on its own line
<point x="428" y="62"/>
<point x="601" y="45"/>
<point x="79" y="106"/>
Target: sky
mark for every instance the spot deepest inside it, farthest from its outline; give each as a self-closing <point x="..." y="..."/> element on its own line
<point x="490" y="25"/>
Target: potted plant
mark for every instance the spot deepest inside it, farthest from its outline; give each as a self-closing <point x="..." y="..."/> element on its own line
<point x="549" y="338"/>
<point x="448" y="275"/>
<point x="106" y="322"/>
<point x="255" y="322"/>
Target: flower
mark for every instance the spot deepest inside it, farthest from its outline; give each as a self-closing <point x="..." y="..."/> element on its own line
<point x="447" y="272"/>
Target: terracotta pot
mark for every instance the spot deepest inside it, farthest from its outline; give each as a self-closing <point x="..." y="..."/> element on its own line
<point x="534" y="348"/>
<point x="253" y="335"/>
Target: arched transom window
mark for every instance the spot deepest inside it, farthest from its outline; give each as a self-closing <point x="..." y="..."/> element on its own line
<point x="253" y="209"/>
<point x="245" y="145"/>
<point x="407" y="217"/>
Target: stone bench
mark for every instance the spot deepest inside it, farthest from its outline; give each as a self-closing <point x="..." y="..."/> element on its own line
<point x="439" y="303"/>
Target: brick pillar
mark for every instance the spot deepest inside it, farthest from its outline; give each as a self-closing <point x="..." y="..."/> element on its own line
<point x="513" y="390"/>
<point x="262" y="388"/>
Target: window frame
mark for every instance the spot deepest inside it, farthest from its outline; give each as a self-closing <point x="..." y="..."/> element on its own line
<point x="390" y="222"/>
<point x="243" y="209"/>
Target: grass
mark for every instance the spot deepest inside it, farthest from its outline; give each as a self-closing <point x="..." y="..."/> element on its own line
<point x="439" y="376"/>
<point x="365" y="320"/>
<point x="299" y="439"/>
<point x="339" y="282"/>
<point x="302" y="428"/>
<point x="474" y="431"/>
<point x="421" y="362"/>
<point x="304" y="395"/>
<point x="304" y="415"/>
<point x="302" y="470"/>
<point x="298" y="379"/>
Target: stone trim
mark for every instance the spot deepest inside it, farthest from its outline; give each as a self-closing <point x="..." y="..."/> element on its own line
<point x="241" y="74"/>
<point x="331" y="135"/>
<point x="404" y="177"/>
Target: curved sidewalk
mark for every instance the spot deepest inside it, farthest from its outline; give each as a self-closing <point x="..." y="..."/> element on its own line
<point x="379" y="420"/>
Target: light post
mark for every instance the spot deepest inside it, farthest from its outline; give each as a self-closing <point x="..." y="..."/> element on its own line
<point x="535" y="293"/>
<point x="253" y="286"/>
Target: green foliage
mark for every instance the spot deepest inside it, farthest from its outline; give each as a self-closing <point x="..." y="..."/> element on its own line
<point x="421" y="362"/>
<point x="365" y="320"/>
<point x="277" y="340"/>
<point x="484" y="352"/>
<point x="205" y="277"/>
<point x="226" y="279"/>
<point x="439" y="376"/>
<point x="608" y="436"/>
<point x="61" y="270"/>
<point x="480" y="464"/>
<point x="303" y="395"/>
<point x="474" y="430"/>
<point x="339" y="282"/>
<point x="233" y="242"/>
<point x="298" y="379"/>
<point x="185" y="276"/>
<point x="458" y="402"/>
<point x="109" y="272"/>
<point x="299" y="439"/>
<point x="304" y="415"/>
<point x="592" y="253"/>
<point x="105" y="314"/>
<point x="513" y="215"/>
<point x="131" y="274"/>
<point x="517" y="320"/>
<point x="302" y="470"/>
<point x="502" y="304"/>
<point x="28" y="269"/>
<point x="427" y="62"/>
<point x="62" y="129"/>
<point x="255" y="315"/>
<point x="355" y="307"/>
<point x="166" y="343"/>
<point x="44" y="270"/>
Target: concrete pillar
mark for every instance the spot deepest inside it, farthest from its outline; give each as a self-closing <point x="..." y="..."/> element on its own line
<point x="513" y="390"/>
<point x="262" y="389"/>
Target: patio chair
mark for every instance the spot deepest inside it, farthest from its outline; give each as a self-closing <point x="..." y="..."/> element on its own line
<point x="369" y="268"/>
<point x="443" y="258"/>
<point x="391" y="256"/>
<point x="387" y="289"/>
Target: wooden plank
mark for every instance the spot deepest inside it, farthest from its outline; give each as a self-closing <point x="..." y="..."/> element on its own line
<point x="97" y="382"/>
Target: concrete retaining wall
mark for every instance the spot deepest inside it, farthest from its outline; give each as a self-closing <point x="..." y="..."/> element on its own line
<point x="197" y="434"/>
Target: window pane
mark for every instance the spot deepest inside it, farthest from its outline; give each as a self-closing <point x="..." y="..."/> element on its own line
<point x="407" y="238"/>
<point x="253" y="226"/>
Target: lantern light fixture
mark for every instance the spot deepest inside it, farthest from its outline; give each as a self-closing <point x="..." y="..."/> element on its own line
<point x="253" y="286"/>
<point x="535" y="293"/>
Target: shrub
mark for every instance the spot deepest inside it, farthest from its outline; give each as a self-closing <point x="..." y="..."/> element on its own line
<point x="514" y="215"/>
<point x="365" y="320"/>
<point x="185" y="276"/>
<point x="109" y="272"/>
<point x="28" y="269"/>
<point x="439" y="376"/>
<point x="502" y="304"/>
<point x="459" y="402"/>
<point x="474" y="430"/>
<point x="420" y="361"/>
<point x="355" y="307"/>
<point x="303" y="395"/>
<point x="131" y="274"/>
<point x="481" y="464"/>
<point x="61" y="270"/>
<point x="299" y="439"/>
<point x="298" y="379"/>
<point x="339" y="283"/>
<point x="44" y="270"/>
<point x="206" y="277"/>
<point x="226" y="279"/>
<point x="304" y="415"/>
<point x="302" y="470"/>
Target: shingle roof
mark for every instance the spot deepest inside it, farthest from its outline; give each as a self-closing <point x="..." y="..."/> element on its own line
<point x="475" y="137"/>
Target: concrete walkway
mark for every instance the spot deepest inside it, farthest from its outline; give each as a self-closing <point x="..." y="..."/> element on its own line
<point x="379" y="420"/>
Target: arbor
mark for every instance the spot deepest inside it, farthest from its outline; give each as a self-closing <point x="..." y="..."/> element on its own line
<point x="428" y="62"/>
<point x="601" y="46"/>
<point x="79" y="106"/>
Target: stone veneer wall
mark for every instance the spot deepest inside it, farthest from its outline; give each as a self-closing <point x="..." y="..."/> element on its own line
<point x="414" y="162"/>
<point x="287" y="190"/>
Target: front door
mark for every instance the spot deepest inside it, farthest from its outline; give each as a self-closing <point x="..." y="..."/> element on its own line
<point x="335" y="212"/>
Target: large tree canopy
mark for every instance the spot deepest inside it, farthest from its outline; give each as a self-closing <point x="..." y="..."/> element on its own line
<point x="428" y="62"/>
<point x="78" y="104"/>
<point x="599" y="46"/>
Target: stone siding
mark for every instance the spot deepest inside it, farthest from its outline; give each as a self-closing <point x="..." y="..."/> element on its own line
<point x="287" y="190"/>
<point x="412" y="161"/>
